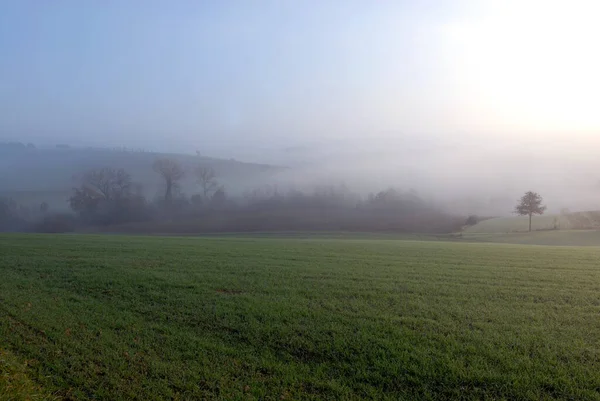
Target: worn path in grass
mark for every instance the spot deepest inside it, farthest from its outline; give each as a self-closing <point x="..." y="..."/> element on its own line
<point x="182" y="318"/>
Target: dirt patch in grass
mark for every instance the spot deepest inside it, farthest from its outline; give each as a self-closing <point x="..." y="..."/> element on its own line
<point x="229" y="291"/>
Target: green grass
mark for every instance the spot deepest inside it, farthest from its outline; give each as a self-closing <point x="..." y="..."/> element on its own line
<point x="15" y="384"/>
<point x="518" y="224"/>
<point x="554" y="238"/>
<point x="514" y="224"/>
<point x="99" y="317"/>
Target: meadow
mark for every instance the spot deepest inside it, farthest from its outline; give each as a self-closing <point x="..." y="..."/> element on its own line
<point x="149" y="318"/>
<point x="519" y="224"/>
<point x="588" y="220"/>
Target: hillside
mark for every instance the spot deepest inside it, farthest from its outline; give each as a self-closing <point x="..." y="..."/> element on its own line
<point x="516" y="224"/>
<point x="35" y="175"/>
<point x="550" y="237"/>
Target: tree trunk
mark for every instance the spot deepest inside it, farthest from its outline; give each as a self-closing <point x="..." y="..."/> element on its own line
<point x="529" y="222"/>
<point x="168" y="194"/>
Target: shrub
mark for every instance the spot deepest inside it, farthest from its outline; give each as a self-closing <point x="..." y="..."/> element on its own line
<point x="472" y="220"/>
<point x="56" y="223"/>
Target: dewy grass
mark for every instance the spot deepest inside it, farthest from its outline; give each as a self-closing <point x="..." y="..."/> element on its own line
<point x="15" y="384"/>
<point x="240" y="318"/>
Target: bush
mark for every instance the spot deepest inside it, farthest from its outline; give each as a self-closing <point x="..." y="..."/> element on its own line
<point x="472" y="220"/>
<point x="56" y="223"/>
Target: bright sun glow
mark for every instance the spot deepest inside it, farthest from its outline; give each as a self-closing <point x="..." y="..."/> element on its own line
<point x="531" y="64"/>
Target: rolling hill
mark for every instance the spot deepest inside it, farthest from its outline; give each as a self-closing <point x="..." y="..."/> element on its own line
<point x="517" y="224"/>
<point x="35" y="175"/>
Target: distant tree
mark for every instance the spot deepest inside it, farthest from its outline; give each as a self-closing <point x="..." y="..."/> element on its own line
<point x="219" y="197"/>
<point x="107" y="192"/>
<point x="108" y="183"/>
<point x="530" y="204"/>
<point x="400" y="202"/>
<point x="44" y="207"/>
<point x="84" y="201"/>
<point x="206" y="177"/>
<point x="172" y="172"/>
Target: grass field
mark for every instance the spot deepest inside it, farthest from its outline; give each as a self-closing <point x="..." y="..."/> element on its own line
<point x="553" y="238"/>
<point x="514" y="224"/>
<point x="519" y="224"/>
<point x="114" y="317"/>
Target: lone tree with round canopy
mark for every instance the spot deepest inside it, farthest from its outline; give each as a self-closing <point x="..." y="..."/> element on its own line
<point x="530" y="204"/>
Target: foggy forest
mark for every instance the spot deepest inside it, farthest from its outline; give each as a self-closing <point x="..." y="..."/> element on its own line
<point x="62" y="188"/>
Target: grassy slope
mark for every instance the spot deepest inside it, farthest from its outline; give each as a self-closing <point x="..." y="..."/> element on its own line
<point x="517" y="224"/>
<point x="554" y="238"/>
<point x="48" y="174"/>
<point x="151" y="318"/>
<point x="571" y="221"/>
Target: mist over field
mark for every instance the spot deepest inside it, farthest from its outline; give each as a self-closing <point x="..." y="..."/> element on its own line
<point x="433" y="100"/>
<point x="299" y="200"/>
<point x="465" y="176"/>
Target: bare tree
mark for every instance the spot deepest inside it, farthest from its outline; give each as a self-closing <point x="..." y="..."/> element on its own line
<point x="106" y="184"/>
<point x="530" y="204"/>
<point x="172" y="172"/>
<point x="108" y="196"/>
<point x="206" y="177"/>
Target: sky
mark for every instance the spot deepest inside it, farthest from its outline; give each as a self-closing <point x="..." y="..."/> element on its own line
<point x="219" y="75"/>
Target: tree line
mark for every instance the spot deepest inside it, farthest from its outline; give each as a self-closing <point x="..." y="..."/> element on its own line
<point x="110" y="199"/>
